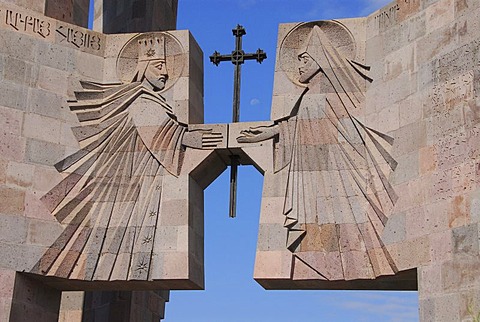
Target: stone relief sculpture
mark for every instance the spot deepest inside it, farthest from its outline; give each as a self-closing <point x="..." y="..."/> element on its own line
<point x="337" y="196"/>
<point x="131" y="140"/>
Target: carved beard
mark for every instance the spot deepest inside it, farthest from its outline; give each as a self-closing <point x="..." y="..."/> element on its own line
<point x="156" y="75"/>
<point x="308" y="68"/>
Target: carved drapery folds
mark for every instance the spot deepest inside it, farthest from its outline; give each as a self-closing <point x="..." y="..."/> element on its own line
<point x="131" y="142"/>
<point x="334" y="168"/>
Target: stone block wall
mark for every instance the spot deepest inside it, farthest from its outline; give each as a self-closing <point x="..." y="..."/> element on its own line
<point x="41" y="65"/>
<point x="429" y="75"/>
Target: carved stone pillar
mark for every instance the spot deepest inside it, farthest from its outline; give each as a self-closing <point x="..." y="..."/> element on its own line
<point x="25" y="299"/>
<point x="71" y="11"/>
<point x="122" y="16"/>
<point x="71" y="308"/>
<point x="121" y="306"/>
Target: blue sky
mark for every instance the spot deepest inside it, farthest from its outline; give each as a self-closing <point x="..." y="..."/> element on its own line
<point x="231" y="294"/>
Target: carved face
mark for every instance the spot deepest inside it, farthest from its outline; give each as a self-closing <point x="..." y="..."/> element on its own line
<point x="308" y="67"/>
<point x="156" y="74"/>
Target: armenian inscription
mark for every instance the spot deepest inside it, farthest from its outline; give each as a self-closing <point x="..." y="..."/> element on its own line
<point x="447" y="95"/>
<point x="394" y="13"/>
<point x="456" y="62"/>
<point x="26" y="23"/>
<point x="387" y="17"/>
<point x="78" y="38"/>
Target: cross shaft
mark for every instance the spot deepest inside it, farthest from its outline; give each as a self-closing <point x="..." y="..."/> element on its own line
<point x="237" y="57"/>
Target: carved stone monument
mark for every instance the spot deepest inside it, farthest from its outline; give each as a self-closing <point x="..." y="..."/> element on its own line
<point x="373" y="180"/>
<point x="371" y="159"/>
<point x="103" y="168"/>
<point x="329" y="168"/>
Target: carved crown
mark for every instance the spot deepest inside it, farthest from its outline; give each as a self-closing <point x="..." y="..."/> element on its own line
<point x="151" y="49"/>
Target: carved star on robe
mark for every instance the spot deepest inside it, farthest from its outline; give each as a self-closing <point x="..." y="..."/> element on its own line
<point x="142" y="266"/>
<point x="146" y="240"/>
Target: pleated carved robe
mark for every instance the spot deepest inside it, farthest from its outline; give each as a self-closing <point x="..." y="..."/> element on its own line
<point x="109" y="198"/>
<point x="337" y="194"/>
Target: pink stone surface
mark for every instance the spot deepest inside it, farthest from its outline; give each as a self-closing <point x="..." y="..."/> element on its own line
<point x="12" y="147"/>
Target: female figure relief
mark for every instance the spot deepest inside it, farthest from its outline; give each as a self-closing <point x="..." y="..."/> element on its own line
<point x="337" y="196"/>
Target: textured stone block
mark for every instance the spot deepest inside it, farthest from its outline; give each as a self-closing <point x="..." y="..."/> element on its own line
<point x="428" y="310"/>
<point x="15" y="198"/>
<point x="271" y="237"/>
<point x="19" y="174"/>
<point x="14" y="95"/>
<point x="439" y="14"/>
<point x="20" y="255"/>
<point x="430" y="281"/>
<point x="460" y="273"/>
<point x="42" y="128"/>
<point x="408" y="168"/>
<point x="174" y="213"/>
<point x="87" y="65"/>
<point x="11" y="120"/>
<point x="19" y="71"/>
<point x="465" y="241"/>
<point x="135" y="16"/>
<point x="396" y="229"/>
<point x="42" y="232"/>
<point x="51" y="79"/>
<point x="410" y="138"/>
<point x="273" y="264"/>
<point x="447" y="308"/>
<point x="418" y="250"/>
<point x="46" y="103"/>
<point x="25" y="50"/>
<point x="12" y="147"/>
<point x="43" y="153"/>
<point x="13" y="229"/>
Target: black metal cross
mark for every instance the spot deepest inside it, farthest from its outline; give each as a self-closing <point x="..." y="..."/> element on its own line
<point x="237" y="57"/>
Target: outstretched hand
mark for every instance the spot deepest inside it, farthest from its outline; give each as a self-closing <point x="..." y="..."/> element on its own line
<point x="202" y="139"/>
<point x="257" y="134"/>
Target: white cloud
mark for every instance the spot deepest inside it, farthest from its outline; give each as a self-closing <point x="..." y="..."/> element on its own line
<point x="254" y="101"/>
<point x="328" y="9"/>
<point x="381" y="306"/>
<point x="246" y="4"/>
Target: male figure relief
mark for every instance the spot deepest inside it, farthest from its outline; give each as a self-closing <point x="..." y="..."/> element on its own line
<point x="110" y="200"/>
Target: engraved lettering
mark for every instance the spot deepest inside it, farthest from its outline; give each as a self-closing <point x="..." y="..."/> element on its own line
<point x="457" y="62"/>
<point x="25" y="23"/>
<point x="78" y="38"/>
<point x="387" y="18"/>
<point x="450" y="94"/>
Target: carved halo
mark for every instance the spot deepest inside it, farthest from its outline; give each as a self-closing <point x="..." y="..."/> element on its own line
<point x="338" y="35"/>
<point x="176" y="57"/>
